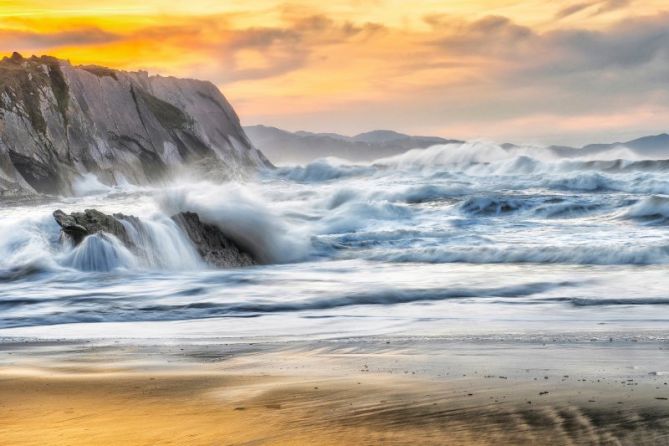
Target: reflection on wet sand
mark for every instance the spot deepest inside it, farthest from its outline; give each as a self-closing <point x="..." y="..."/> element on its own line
<point x="264" y="396"/>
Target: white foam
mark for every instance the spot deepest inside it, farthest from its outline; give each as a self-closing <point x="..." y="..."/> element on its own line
<point x="89" y="184"/>
<point x="100" y="252"/>
<point x="243" y="217"/>
<point x="655" y="206"/>
<point x="162" y="244"/>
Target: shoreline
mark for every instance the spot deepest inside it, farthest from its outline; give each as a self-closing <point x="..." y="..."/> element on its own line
<point x="354" y="391"/>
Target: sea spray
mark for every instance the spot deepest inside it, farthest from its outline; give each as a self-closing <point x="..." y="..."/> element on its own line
<point x="89" y="184"/>
<point x="584" y="254"/>
<point x="490" y="165"/>
<point x="243" y="217"/>
<point x="29" y="240"/>
<point x="654" y="208"/>
<point x="36" y="242"/>
<point x="161" y="244"/>
<point x="100" y="252"/>
<point x="325" y="169"/>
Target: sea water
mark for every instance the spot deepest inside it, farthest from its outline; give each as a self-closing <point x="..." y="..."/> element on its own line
<point x="467" y="239"/>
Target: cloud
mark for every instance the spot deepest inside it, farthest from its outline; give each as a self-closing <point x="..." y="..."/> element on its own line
<point x="597" y="6"/>
<point x="611" y="5"/>
<point x="629" y="52"/>
<point x="328" y="71"/>
<point x="572" y="9"/>
<point x="474" y="75"/>
<point x="627" y="44"/>
<point x="621" y="68"/>
<point x="254" y="52"/>
<point x="484" y="37"/>
<point x="11" y="40"/>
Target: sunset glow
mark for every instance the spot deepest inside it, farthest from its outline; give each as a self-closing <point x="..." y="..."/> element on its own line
<point x="501" y="69"/>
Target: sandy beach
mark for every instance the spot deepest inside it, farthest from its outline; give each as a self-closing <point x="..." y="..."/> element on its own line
<point x="354" y="391"/>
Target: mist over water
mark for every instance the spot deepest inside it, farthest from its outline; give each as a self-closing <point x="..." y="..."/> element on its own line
<point x="466" y="238"/>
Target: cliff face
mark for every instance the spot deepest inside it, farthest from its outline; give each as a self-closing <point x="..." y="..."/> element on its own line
<point x="59" y="122"/>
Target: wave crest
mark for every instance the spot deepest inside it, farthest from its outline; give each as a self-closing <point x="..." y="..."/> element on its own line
<point x="654" y="208"/>
<point x="242" y="217"/>
<point x="571" y="255"/>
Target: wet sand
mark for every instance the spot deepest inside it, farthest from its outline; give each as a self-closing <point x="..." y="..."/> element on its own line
<point x="333" y="393"/>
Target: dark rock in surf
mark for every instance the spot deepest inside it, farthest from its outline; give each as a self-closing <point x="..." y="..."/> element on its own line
<point x="78" y="225"/>
<point x="212" y="244"/>
<point x="69" y="226"/>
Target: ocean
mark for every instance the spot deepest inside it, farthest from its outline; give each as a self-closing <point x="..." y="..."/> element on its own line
<point x="463" y="240"/>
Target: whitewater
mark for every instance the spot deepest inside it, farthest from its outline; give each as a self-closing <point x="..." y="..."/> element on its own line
<point x="469" y="239"/>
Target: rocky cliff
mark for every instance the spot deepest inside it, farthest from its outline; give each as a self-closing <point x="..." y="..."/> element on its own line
<point x="59" y="122"/>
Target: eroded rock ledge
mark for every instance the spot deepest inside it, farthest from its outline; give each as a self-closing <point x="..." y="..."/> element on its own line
<point x="211" y="243"/>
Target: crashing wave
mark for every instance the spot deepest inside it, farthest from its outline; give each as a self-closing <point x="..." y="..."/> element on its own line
<point x="567" y="208"/>
<point x="570" y="255"/>
<point x="492" y="206"/>
<point x="326" y="169"/>
<point x="161" y="244"/>
<point x="100" y="252"/>
<point x="245" y="219"/>
<point x="653" y="209"/>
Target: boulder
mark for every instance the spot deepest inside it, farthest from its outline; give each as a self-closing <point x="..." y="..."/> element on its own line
<point x="212" y="244"/>
<point x="78" y="225"/>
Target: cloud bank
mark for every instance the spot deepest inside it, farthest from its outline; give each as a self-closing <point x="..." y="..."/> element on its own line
<point x="573" y="72"/>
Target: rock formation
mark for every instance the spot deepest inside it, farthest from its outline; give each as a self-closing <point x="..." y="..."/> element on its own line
<point x="211" y="243"/>
<point x="78" y="225"/>
<point x="59" y="122"/>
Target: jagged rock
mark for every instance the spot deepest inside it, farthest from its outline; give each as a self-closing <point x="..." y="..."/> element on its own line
<point x="59" y="122"/>
<point x="211" y="243"/>
<point x="69" y="226"/>
<point x="80" y="224"/>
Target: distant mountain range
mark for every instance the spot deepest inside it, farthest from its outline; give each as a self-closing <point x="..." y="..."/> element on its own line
<point x="649" y="146"/>
<point x="281" y="146"/>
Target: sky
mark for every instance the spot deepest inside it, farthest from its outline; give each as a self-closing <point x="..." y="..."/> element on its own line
<point x="560" y="72"/>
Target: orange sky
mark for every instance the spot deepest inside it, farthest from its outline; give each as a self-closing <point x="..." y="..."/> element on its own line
<point x="517" y="70"/>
